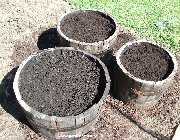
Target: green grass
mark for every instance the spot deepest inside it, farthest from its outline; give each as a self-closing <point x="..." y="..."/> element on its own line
<point x="140" y="16"/>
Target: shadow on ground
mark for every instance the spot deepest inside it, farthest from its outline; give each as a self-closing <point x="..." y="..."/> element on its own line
<point x="150" y="132"/>
<point x="50" y="38"/>
<point x="8" y="100"/>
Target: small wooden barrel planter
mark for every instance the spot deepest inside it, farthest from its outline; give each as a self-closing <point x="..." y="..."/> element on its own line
<point x="144" y="70"/>
<point x="61" y="91"/>
<point x="89" y="30"/>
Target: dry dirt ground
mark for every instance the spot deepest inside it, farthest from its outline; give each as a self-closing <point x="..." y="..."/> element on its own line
<point x="28" y="26"/>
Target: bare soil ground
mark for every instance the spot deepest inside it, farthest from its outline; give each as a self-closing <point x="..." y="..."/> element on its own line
<point x="29" y="26"/>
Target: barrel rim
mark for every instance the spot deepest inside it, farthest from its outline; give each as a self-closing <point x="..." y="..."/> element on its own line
<point x="54" y="118"/>
<point x="161" y="82"/>
<point x="96" y="44"/>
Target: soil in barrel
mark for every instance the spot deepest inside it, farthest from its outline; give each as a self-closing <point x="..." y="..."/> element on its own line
<point x="61" y="84"/>
<point x="147" y="62"/>
<point x="88" y="26"/>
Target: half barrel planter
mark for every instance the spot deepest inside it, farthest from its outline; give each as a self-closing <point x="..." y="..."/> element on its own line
<point x="140" y="92"/>
<point x="100" y="48"/>
<point x="68" y="127"/>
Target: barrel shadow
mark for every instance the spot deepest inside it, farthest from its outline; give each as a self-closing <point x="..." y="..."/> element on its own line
<point x="8" y="99"/>
<point x="50" y="38"/>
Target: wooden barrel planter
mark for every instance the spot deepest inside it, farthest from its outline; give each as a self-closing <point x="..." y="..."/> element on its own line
<point x="89" y="30"/>
<point x="143" y="72"/>
<point x="61" y="91"/>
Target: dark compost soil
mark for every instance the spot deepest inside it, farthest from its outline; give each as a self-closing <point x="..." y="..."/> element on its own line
<point x="88" y="26"/>
<point x="147" y="62"/>
<point x="61" y="83"/>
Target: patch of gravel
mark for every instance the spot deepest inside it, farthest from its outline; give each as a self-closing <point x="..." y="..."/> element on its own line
<point x="5" y="61"/>
<point x="124" y="36"/>
<point x="113" y="125"/>
<point x="22" y="50"/>
<point x="10" y="128"/>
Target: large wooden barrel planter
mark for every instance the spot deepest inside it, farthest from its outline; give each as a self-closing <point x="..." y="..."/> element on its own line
<point x="89" y="30"/>
<point x="61" y="91"/>
<point x="144" y="70"/>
